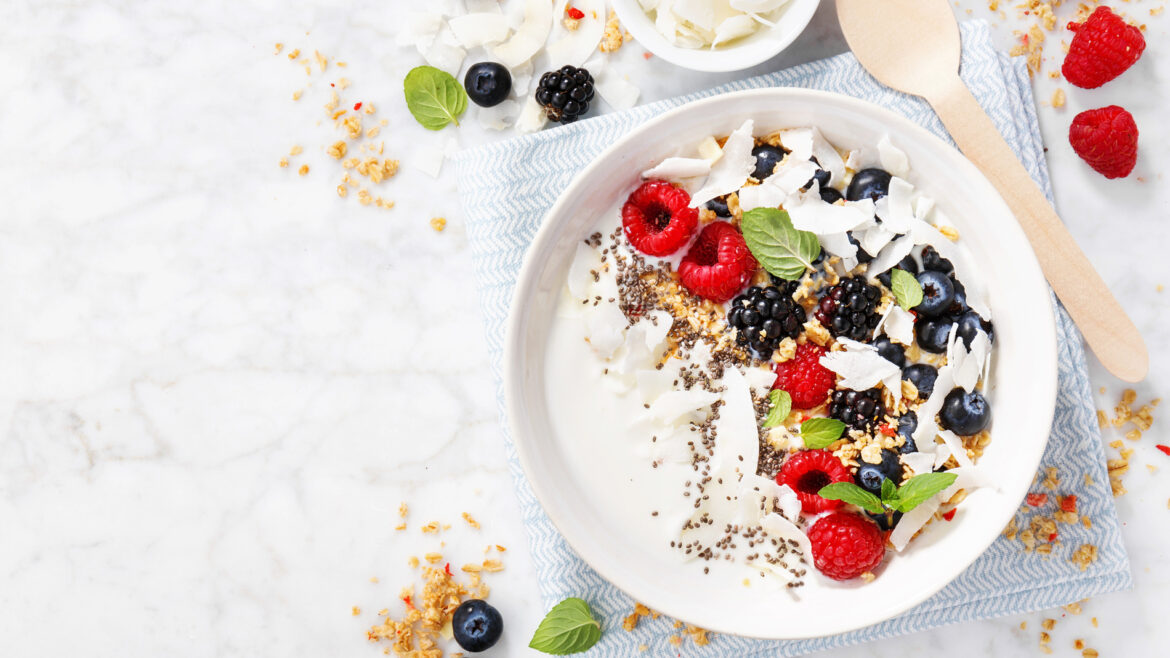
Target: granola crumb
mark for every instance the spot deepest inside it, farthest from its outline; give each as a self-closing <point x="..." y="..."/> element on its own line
<point x="1048" y="624"/>
<point x="950" y="232"/>
<point x="431" y="527"/>
<point x="1078" y="643"/>
<point x="1023" y="626"/>
<point x="279" y="47"/>
<point x="1084" y="556"/>
<point x="438" y="223"/>
<point x="868" y="577"/>
<point x="1093" y="621"/>
<point x="613" y="38"/>
<point x="1072" y="608"/>
<point x="1089" y="653"/>
<point x="283" y="162"/>
<point x="342" y="190"/>
<point x="304" y="170"/>
<point x="468" y="518"/>
<point x="356" y="611"/>
<point x="413" y="562"/>
<point x="630" y="622"/>
<point x="1058" y="98"/>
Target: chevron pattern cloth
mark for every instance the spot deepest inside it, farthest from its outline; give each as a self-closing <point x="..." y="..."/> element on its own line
<point x="506" y="188"/>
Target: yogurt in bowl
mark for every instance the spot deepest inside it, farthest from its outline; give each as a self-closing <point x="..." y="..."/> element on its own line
<point x="697" y="371"/>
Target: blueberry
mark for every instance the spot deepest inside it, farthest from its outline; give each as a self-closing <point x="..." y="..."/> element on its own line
<point x="820" y="257"/>
<point x="487" y="83"/>
<point x="965" y="413"/>
<point x="821" y="176"/>
<point x="960" y="303"/>
<point x="931" y="260"/>
<point x="886" y="521"/>
<point x="932" y="334"/>
<point x="718" y="205"/>
<point x="907" y="264"/>
<point x="869" y="184"/>
<point x="938" y="293"/>
<point x="767" y="157"/>
<point x="922" y="376"/>
<point x="969" y="324"/>
<point x="476" y="625"/>
<point x="906" y="426"/>
<point x="831" y="195"/>
<point x="870" y="476"/>
<point x="890" y="351"/>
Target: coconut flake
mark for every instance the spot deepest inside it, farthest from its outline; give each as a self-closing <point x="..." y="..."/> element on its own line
<point x="577" y="45"/>
<point x="532" y="117"/>
<point x="893" y="159"/>
<point x="738" y="442"/>
<point x="918" y="462"/>
<point x="733" y="28"/>
<point x="968" y="362"/>
<point x="444" y="52"/>
<point x="675" y="168"/>
<point x="891" y="255"/>
<point x="674" y="406"/>
<point x="828" y="157"/>
<point x="419" y="29"/>
<point x="955" y="445"/>
<point x="699" y="13"/>
<point x="811" y="213"/>
<point x="898" y="212"/>
<point x="732" y="170"/>
<point x="927" y="426"/>
<point x="756" y="6"/>
<point x="912" y="522"/>
<point x="483" y="6"/>
<point x="899" y="325"/>
<point x="859" y="365"/>
<point x="798" y="141"/>
<point x="615" y="89"/>
<point x="479" y="29"/>
<point x="838" y="244"/>
<point x="709" y="149"/>
<point x="530" y="35"/>
<point x="498" y="117"/>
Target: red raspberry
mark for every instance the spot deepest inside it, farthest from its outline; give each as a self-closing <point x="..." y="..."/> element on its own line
<point x="1105" y="138"/>
<point x="845" y="545"/>
<point x="806" y="472"/>
<point x="718" y="264"/>
<point x="805" y="379"/>
<point x="1103" y="48"/>
<point x="658" y="218"/>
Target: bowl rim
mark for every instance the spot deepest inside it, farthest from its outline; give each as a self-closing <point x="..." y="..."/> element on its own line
<point x="752" y="51"/>
<point x="1045" y="360"/>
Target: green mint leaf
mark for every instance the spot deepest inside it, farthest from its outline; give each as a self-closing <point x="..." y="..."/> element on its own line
<point x="907" y="291"/>
<point x="568" y="628"/>
<point x="889" y="491"/>
<point x="434" y="97"/>
<point x="781" y="407"/>
<point x="921" y="488"/>
<point x="852" y="494"/>
<point x="780" y="248"/>
<point x="821" y="432"/>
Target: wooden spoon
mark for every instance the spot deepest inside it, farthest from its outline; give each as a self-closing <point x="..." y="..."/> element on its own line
<point x="913" y="46"/>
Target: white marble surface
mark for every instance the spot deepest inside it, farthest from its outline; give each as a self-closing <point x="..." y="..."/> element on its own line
<point x="219" y="379"/>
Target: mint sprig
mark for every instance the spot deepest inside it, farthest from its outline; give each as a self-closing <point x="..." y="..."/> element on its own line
<point x="820" y="433"/>
<point x="568" y="628"/>
<point x="781" y="403"/>
<point x="434" y="97"/>
<point x="777" y="245"/>
<point x="911" y="494"/>
<point x="907" y="291"/>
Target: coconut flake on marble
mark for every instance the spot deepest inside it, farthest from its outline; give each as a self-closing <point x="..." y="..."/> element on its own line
<point x="893" y="159"/>
<point x="675" y="168"/>
<point x="575" y="46"/>
<point x="444" y="52"/>
<point x="483" y="6"/>
<point x="732" y="170"/>
<point x="419" y="29"/>
<point x="615" y="89"/>
<point x="532" y="117"/>
<point x="529" y="37"/>
<point x="498" y="117"/>
<point x="479" y="29"/>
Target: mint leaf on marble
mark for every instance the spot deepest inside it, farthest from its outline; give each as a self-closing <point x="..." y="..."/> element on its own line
<point x="568" y="628"/>
<point x="821" y="432"/>
<point x="434" y="97"/>
<point x="907" y="291"/>
<point x="781" y="406"/>
<point x="852" y="494"/>
<point x="779" y="248"/>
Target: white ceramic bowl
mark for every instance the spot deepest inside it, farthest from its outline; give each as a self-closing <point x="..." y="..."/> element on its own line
<point x="764" y="44"/>
<point x="1022" y="391"/>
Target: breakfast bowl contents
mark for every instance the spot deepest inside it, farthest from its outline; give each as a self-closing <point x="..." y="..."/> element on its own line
<point x="761" y="352"/>
<point x="715" y="35"/>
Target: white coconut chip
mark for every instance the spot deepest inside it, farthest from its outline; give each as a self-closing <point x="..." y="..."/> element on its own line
<point x="798" y="141"/>
<point x="912" y="522"/>
<point x="498" y="117"/>
<point x="918" y="462"/>
<point x="732" y="170"/>
<point x="828" y="157"/>
<point x="874" y="238"/>
<point x="479" y="29"/>
<point x="675" y="406"/>
<point x="899" y="325"/>
<point x="761" y="196"/>
<point x="651" y="384"/>
<point x="699" y="13"/>
<point x="893" y="159"/>
<point x="673" y="169"/>
<point x="838" y="244"/>
<point x="968" y="363"/>
<point x="891" y="255"/>
<point x="530" y="35"/>
<point x="605" y="326"/>
<point x="733" y="28"/>
<point x="898" y="212"/>
<point x="860" y="366"/>
<point x="955" y="445"/>
<point x="756" y="6"/>
<point x="444" y="52"/>
<point x="927" y="426"/>
<point x="923" y="207"/>
<point x="614" y="89"/>
<point x="577" y="45"/>
<point x="738" y="443"/>
<point x="483" y="6"/>
<point x="419" y="29"/>
<point x="532" y="117"/>
<point x="811" y="213"/>
<point x="666" y="23"/>
<point x="648" y="5"/>
<point x="709" y="150"/>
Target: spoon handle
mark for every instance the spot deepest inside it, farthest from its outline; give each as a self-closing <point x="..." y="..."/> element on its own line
<point x="1106" y="327"/>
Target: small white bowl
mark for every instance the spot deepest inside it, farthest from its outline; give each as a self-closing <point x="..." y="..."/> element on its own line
<point x="764" y="44"/>
<point x="1022" y="387"/>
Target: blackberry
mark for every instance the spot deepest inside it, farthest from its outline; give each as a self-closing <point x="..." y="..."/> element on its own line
<point x="860" y="410"/>
<point x="565" y="93"/>
<point x="764" y="316"/>
<point x="849" y="309"/>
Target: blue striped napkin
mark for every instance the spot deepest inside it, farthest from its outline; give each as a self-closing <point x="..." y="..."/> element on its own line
<point x="506" y="188"/>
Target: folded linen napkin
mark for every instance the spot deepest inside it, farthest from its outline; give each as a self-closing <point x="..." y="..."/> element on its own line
<point x="507" y="187"/>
